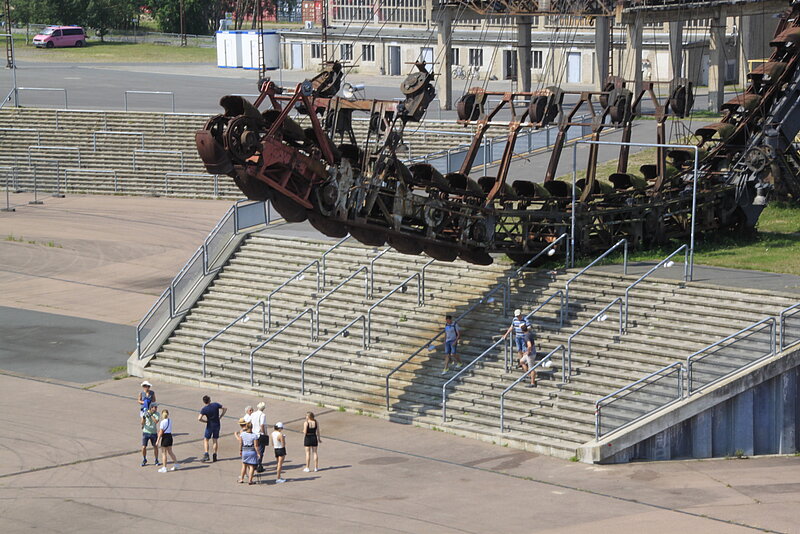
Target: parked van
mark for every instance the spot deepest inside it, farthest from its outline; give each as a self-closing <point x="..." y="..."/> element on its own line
<point x="60" y="36"/>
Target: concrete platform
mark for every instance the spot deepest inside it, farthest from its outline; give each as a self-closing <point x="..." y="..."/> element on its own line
<point x="82" y="474"/>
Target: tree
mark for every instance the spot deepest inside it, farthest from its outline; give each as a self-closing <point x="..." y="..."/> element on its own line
<point x="105" y="14"/>
<point x="201" y="16"/>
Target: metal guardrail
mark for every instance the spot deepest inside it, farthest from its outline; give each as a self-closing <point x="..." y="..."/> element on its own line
<point x="547" y="250"/>
<point x="170" y="93"/>
<point x="722" y="347"/>
<point x="167" y="176"/>
<point x="666" y="262"/>
<point x="637" y="408"/>
<point x="520" y="379"/>
<point x="114" y="132"/>
<point x="461" y="372"/>
<point x="157" y="151"/>
<point x="402" y="287"/>
<point x="61" y="89"/>
<point x="243" y="318"/>
<point x="367" y="295"/>
<point x="90" y="171"/>
<point x="485" y="298"/>
<point x="788" y="340"/>
<point x="325" y="255"/>
<point x="344" y="333"/>
<point x="372" y="269"/>
<point x="33" y="130"/>
<point x="207" y="255"/>
<point x="276" y="334"/>
<point x="9" y="176"/>
<point x="599" y="316"/>
<point x="54" y="147"/>
<point x="299" y="275"/>
<point x="624" y="242"/>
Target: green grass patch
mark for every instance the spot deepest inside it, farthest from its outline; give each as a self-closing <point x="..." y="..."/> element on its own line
<point x="119" y="372"/>
<point x="115" y="52"/>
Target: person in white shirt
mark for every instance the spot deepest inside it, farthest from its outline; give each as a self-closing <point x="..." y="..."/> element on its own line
<point x="279" y="443"/>
<point x="259" y="420"/>
<point x="165" y="442"/>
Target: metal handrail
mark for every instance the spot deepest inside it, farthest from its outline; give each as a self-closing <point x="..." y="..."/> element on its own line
<point x="665" y="261"/>
<point x="296" y="276"/>
<point x="422" y="282"/>
<point x="270" y="338"/>
<point x="458" y="374"/>
<point x="230" y="325"/>
<point x="114" y="132"/>
<point x="400" y="286"/>
<point x="325" y="255"/>
<point x="782" y="317"/>
<point x="520" y="379"/>
<point x="172" y="96"/>
<point x="689" y="362"/>
<point x="567" y="374"/>
<point x="55" y="147"/>
<point x="372" y="270"/>
<point x="95" y="171"/>
<point x="483" y="299"/>
<point x="158" y="151"/>
<point x="516" y="273"/>
<point x="342" y="332"/>
<point x="18" y="89"/>
<point x="603" y="255"/>
<point x="558" y="293"/>
<point x="341" y="284"/>
<point x="599" y="404"/>
<point x="34" y="130"/>
<point x="179" y="174"/>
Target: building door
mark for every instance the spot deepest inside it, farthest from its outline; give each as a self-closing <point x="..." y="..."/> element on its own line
<point x="573" y="67"/>
<point x="297" y="56"/>
<point x="509" y="64"/>
<point x="394" y="61"/>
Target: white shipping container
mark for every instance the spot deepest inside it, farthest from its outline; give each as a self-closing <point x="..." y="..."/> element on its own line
<point x="229" y="49"/>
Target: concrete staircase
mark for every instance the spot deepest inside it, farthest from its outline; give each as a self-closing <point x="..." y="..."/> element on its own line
<point x="176" y="172"/>
<point x="668" y="321"/>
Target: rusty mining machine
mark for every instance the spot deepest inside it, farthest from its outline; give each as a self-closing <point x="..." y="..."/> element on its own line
<point x="365" y="189"/>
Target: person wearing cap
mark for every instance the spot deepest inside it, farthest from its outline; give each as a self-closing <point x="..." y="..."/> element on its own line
<point x="452" y="333"/>
<point x="150" y="432"/>
<point x="248" y="450"/>
<point x="520" y="337"/>
<point x="146" y="397"/>
<point x="279" y="444"/>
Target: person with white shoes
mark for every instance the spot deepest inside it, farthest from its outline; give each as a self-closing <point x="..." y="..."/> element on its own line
<point x="279" y="444"/>
<point x="311" y="441"/>
<point x="165" y="442"/>
<point x="452" y="334"/>
<point x="260" y="429"/>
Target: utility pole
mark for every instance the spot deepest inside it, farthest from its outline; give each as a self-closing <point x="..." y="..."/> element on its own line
<point x="9" y="38"/>
<point x="183" y="25"/>
<point x="324" y="54"/>
<point x="262" y="68"/>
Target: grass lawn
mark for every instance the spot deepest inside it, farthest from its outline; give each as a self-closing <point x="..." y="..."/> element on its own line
<point x="115" y="52"/>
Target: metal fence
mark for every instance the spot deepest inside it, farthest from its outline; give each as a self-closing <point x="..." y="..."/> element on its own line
<point x="205" y="262"/>
<point x="789" y="327"/>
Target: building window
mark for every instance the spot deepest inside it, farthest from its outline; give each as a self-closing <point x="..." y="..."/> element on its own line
<point x="347" y="52"/>
<point x="426" y="55"/>
<point x="368" y="52"/>
<point x="476" y="57"/>
<point x="538" y="59"/>
<point x="455" y="57"/>
<point x="316" y="51"/>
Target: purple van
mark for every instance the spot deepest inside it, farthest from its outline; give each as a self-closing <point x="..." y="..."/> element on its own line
<point x="53" y="36"/>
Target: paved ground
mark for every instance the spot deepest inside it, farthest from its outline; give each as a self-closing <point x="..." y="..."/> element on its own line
<point x="81" y="474"/>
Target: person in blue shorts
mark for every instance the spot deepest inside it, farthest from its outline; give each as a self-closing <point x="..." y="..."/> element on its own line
<point x="520" y="336"/>
<point x="451" y="336"/>
<point x="211" y="414"/>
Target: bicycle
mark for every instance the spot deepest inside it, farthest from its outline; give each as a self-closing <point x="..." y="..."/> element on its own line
<point x="458" y="72"/>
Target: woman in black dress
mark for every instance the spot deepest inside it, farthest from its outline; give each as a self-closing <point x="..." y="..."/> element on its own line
<point x="311" y="440"/>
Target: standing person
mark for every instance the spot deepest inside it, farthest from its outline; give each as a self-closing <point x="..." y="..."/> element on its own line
<point x="248" y="413"/>
<point x="519" y="335"/>
<point x="165" y="442"/>
<point x="279" y="443"/>
<point x="311" y="440"/>
<point x="146" y="397"/>
<point x="527" y="361"/>
<point x="451" y="336"/>
<point x="250" y="454"/>
<point x="260" y="429"/>
<point x="210" y="414"/>
<point x="150" y="432"/>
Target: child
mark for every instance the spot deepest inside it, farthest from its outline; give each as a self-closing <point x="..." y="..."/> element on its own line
<point x="279" y="443"/>
<point x="146" y="397"/>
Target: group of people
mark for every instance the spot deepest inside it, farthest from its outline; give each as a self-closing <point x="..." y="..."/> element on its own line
<point x="524" y="339"/>
<point x="253" y="436"/>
